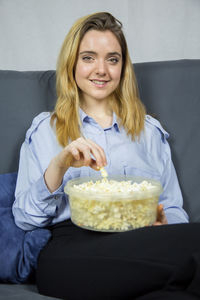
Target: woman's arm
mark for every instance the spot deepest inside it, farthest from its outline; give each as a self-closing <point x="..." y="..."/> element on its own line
<point x="159" y="151"/>
<point x="76" y="154"/>
<point x="171" y="198"/>
<point x="35" y="206"/>
<point x="39" y="197"/>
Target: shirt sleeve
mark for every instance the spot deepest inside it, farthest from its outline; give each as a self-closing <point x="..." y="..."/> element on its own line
<point x="34" y="205"/>
<point x="171" y="198"/>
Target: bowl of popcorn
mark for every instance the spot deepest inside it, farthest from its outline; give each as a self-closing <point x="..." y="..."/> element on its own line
<point x="113" y="203"/>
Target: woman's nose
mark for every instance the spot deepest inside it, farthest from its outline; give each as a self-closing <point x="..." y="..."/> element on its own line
<point x="101" y="68"/>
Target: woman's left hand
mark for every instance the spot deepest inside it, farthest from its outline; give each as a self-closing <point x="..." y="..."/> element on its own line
<point x="161" y="218"/>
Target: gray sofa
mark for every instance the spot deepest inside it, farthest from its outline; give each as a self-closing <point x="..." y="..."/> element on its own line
<point x="171" y="92"/>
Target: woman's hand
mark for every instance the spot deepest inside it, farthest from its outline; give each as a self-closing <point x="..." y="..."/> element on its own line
<point x="161" y="218"/>
<point x="77" y="154"/>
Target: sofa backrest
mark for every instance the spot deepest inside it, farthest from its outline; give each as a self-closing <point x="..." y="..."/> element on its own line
<point x="170" y="90"/>
<point x="23" y="95"/>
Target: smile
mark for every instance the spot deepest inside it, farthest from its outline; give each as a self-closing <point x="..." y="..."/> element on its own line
<point x="99" y="83"/>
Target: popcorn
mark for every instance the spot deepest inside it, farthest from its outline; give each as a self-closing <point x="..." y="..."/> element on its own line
<point x="104" y="174"/>
<point x="113" y="186"/>
<point x="111" y="205"/>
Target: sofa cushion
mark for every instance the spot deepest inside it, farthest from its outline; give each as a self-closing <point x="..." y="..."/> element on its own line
<point x="19" y="250"/>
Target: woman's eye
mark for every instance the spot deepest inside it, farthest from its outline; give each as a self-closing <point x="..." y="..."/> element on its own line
<point x="113" y="60"/>
<point x="87" y="58"/>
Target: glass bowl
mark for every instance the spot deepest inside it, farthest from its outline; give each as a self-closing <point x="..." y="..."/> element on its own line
<point x="116" y="211"/>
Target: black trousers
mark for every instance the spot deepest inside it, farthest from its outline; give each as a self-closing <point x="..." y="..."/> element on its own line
<point x="158" y="262"/>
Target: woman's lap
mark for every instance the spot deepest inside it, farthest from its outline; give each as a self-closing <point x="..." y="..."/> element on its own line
<point x="168" y="295"/>
<point x="82" y="264"/>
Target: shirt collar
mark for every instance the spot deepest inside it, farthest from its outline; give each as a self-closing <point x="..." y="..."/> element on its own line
<point x="85" y="118"/>
<point x="83" y="115"/>
<point x="115" y="122"/>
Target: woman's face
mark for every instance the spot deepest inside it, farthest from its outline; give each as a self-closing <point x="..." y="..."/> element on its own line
<point x="99" y="65"/>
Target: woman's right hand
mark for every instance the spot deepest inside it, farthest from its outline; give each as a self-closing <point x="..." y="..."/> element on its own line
<point x="77" y="154"/>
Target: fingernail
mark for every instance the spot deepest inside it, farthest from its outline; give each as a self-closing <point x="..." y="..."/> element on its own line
<point x="101" y="165"/>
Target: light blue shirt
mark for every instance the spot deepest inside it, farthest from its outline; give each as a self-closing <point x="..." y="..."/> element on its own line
<point x="148" y="156"/>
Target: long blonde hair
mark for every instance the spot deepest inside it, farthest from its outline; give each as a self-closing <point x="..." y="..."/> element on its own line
<point x="124" y="101"/>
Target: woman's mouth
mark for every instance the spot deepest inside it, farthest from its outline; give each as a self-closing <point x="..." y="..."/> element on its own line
<point x="99" y="83"/>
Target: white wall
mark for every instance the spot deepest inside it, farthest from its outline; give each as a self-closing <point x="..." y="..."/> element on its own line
<point x="32" y="31"/>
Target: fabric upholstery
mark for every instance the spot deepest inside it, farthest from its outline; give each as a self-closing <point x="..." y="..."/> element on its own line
<point x="22" y="96"/>
<point x="19" y="250"/>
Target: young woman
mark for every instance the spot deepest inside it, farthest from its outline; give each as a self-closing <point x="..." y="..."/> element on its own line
<point x="99" y="121"/>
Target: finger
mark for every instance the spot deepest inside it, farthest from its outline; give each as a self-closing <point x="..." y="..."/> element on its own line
<point x="71" y="150"/>
<point x="68" y="155"/>
<point x="79" y="152"/>
<point x="75" y="152"/>
<point x="161" y="215"/>
<point x="159" y="212"/>
<point x="95" y="146"/>
<point x="94" y="165"/>
<point x="100" y="149"/>
<point x="97" y="155"/>
<point x="95" y="150"/>
<point x="157" y="223"/>
<point x="164" y="218"/>
<point x="85" y="153"/>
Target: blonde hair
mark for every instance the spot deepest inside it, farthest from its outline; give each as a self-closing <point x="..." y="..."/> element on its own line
<point x="124" y="101"/>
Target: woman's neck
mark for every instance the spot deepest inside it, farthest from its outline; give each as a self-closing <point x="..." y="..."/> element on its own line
<point x="99" y="109"/>
<point x="100" y="112"/>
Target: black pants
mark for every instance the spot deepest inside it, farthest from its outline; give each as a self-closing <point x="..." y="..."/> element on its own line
<point x="159" y="262"/>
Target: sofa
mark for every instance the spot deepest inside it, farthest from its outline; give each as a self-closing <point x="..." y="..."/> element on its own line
<point x="169" y="89"/>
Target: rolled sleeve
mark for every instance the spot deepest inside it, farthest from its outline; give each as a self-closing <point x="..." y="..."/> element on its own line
<point x="48" y="202"/>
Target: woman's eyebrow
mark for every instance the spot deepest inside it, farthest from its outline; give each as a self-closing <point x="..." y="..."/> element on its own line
<point x="88" y="52"/>
<point x="95" y="53"/>
<point x="114" y="53"/>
